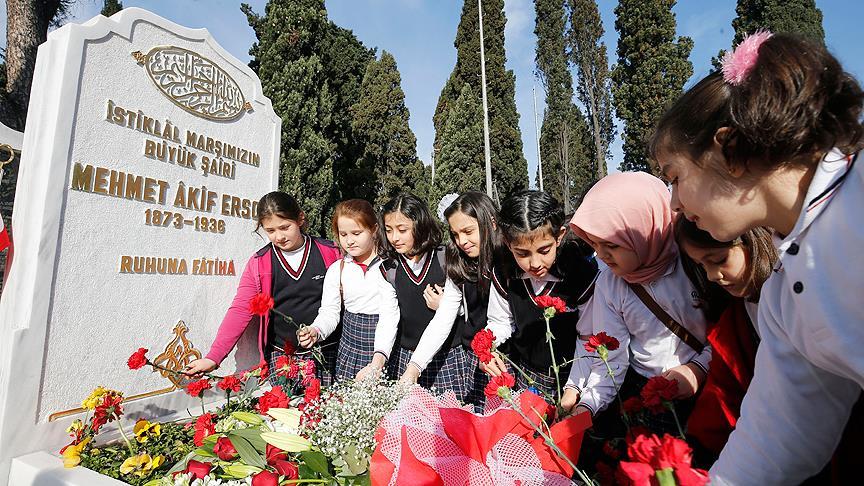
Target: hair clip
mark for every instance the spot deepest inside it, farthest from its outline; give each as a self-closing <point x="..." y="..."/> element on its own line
<point x="445" y="203"/>
<point x="738" y="63"/>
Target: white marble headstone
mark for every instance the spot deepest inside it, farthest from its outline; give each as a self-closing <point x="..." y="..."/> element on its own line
<point x="146" y="150"/>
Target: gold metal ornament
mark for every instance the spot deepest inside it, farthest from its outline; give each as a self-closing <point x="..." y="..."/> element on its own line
<point x="179" y="353"/>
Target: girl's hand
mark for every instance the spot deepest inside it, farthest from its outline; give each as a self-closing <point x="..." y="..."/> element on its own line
<point x="690" y="378"/>
<point x="569" y="400"/>
<point x="199" y="366"/>
<point x="307" y="336"/>
<point x="494" y="367"/>
<point x="373" y="369"/>
<point x="412" y="373"/>
<point x="432" y="295"/>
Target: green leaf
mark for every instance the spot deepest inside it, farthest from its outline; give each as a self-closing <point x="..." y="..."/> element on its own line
<point x="287" y="442"/>
<point x="203" y="451"/>
<point x="247" y="452"/>
<point x="248" y="417"/>
<point x="316" y="462"/>
<point x="290" y="417"/>
<point x="253" y="436"/>
<point x="240" y="471"/>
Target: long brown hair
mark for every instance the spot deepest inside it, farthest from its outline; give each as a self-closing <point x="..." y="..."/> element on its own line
<point x="460" y="267"/>
<point x="278" y="203"/>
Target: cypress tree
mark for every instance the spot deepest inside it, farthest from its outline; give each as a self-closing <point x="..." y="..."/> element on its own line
<point x="562" y="151"/>
<point x="588" y="54"/>
<point x="110" y="7"/>
<point x="509" y="168"/>
<point x="796" y="16"/>
<point x="389" y="147"/>
<point x="651" y="71"/>
<point x="459" y="166"/>
<point x="311" y="71"/>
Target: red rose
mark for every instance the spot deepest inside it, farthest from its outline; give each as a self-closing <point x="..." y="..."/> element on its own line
<point x="287" y="469"/>
<point x="137" y="360"/>
<point x="601" y="339"/>
<point x="482" y="345"/>
<point x="260" y="305"/>
<point x="313" y="391"/>
<point x="204" y="427"/>
<point x="199" y="470"/>
<point x="230" y="382"/>
<point x="632" y="405"/>
<point x="503" y="380"/>
<point x="265" y="478"/>
<point x="274" y="454"/>
<point x="197" y="388"/>
<point x="224" y="449"/>
<point x="656" y="392"/>
<point x="546" y="302"/>
<point x="275" y="398"/>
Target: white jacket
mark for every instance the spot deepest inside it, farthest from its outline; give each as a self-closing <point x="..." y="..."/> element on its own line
<point x="810" y="364"/>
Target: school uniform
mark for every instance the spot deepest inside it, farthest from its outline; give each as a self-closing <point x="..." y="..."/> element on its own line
<point x="647" y="347"/>
<point x="298" y="283"/>
<point x="515" y="318"/>
<point x="809" y="369"/>
<point x="404" y="317"/>
<point x="471" y="301"/>
<point x="350" y="295"/>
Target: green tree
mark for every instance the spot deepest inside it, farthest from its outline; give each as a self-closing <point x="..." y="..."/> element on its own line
<point x="459" y="165"/>
<point x="588" y="54"/>
<point x="110" y="7"/>
<point x="311" y="71"/>
<point x="380" y="125"/>
<point x="562" y="152"/>
<point x="652" y="68"/>
<point x="509" y="169"/>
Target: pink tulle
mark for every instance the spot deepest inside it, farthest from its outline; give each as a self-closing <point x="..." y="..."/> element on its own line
<point x="738" y="63"/>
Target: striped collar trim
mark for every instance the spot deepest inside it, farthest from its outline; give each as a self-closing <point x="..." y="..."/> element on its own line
<point x="546" y="290"/>
<point x="417" y="279"/>
<point x="283" y="262"/>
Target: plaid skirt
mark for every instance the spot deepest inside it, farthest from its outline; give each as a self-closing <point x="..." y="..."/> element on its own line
<point x="476" y="394"/>
<point x="543" y="381"/>
<point x="449" y="370"/>
<point x="325" y="371"/>
<point x="356" y="345"/>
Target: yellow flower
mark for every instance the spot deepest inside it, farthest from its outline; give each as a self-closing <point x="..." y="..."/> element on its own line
<point x="75" y="427"/>
<point x="72" y="453"/>
<point x="144" y="430"/>
<point x="95" y="397"/>
<point x="141" y="465"/>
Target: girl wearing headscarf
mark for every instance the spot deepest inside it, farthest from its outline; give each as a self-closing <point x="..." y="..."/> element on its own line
<point x="644" y="299"/>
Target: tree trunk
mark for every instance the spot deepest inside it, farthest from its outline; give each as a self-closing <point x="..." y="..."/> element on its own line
<point x="27" y="28"/>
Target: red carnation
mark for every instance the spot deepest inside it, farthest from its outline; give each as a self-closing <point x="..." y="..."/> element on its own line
<point x="308" y="372"/>
<point x="482" y="345"/>
<point x="204" y="427"/>
<point x="547" y="302"/>
<point x="601" y="339"/>
<point x="137" y="360"/>
<point x="230" y="382"/>
<point x="275" y="398"/>
<point x="197" y="388"/>
<point x="287" y="469"/>
<point x="656" y="392"/>
<point x="632" y="405"/>
<point x="313" y="391"/>
<point x="261" y="304"/>
<point x="198" y="470"/>
<point x="283" y="365"/>
<point x="110" y="409"/>
<point x="289" y="347"/>
<point x="224" y="449"/>
<point x="648" y="454"/>
<point x="265" y="478"/>
<point x="503" y="380"/>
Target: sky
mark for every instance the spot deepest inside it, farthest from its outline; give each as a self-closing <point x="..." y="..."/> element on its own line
<point x="420" y="34"/>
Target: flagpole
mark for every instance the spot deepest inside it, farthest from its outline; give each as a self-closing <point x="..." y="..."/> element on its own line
<point x="537" y="137"/>
<point x="486" y="153"/>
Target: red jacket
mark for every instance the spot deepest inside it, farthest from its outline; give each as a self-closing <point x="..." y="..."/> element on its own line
<point x="256" y="279"/>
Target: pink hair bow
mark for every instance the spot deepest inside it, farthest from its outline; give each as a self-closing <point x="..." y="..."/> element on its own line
<point x="738" y="63"/>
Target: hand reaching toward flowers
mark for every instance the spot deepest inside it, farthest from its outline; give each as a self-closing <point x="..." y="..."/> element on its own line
<point x="199" y="366"/>
<point x="412" y="373"/>
<point x="689" y="377"/>
<point x="373" y="369"/>
<point x="494" y="367"/>
<point x="569" y="400"/>
<point x="307" y="336"/>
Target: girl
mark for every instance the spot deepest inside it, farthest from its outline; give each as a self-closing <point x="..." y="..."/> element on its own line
<point x="291" y="269"/>
<point x="532" y="225"/>
<point x="474" y="241"/>
<point x="408" y="283"/>
<point x="737" y="268"/>
<point x="772" y="140"/>
<point x="644" y="299"/>
<point x="350" y="285"/>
